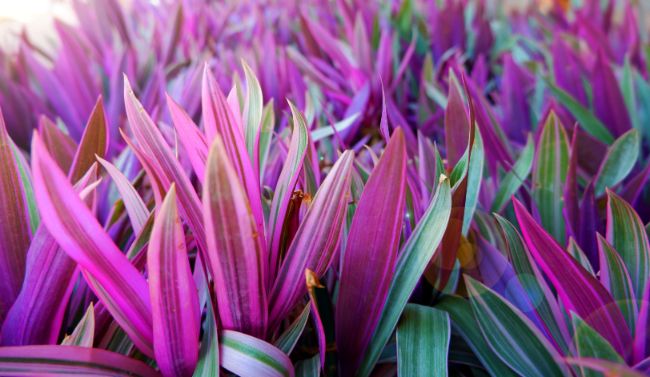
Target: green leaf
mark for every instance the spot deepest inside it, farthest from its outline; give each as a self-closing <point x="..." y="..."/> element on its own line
<point x="309" y="367"/>
<point x="511" y="335"/>
<point x="474" y="179"/>
<point x="589" y="343"/>
<point x="615" y="277"/>
<point x="549" y="176"/>
<point x="422" y="342"/>
<point x="84" y="334"/>
<point x="414" y="257"/>
<point x="287" y="341"/>
<point x="533" y="282"/>
<point x="208" y="364"/>
<point x="248" y="356"/>
<point x="625" y="232"/>
<point x="252" y="112"/>
<point x="587" y="119"/>
<point x="619" y="161"/>
<point x="576" y="252"/>
<point x="463" y="322"/>
<point x="629" y="94"/>
<point x="266" y="133"/>
<point x="515" y="177"/>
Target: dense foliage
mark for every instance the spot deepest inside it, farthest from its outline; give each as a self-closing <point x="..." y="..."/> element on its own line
<point x="350" y="187"/>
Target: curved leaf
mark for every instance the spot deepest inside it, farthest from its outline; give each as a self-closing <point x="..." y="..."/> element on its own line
<point x="251" y="357"/>
<point x="68" y="361"/>
<point x="511" y="335"/>
<point x="78" y="233"/>
<point x="577" y="289"/>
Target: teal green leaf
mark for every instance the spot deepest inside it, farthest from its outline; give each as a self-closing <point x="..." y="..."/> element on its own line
<point x="84" y="334"/>
<point x="533" y="282"/>
<point x="616" y="279"/>
<point x="589" y="343"/>
<point x="511" y="335"/>
<point x="208" y="364"/>
<point x="619" y="161"/>
<point x="626" y="233"/>
<point x="586" y="118"/>
<point x="549" y="175"/>
<point x="474" y="179"/>
<point x="422" y="342"/>
<point x="463" y="322"/>
<point x="515" y="177"/>
<point x="290" y="336"/>
<point x="252" y="112"/>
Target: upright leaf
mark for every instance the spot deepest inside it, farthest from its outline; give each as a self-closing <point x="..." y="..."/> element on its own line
<point x="464" y="322"/>
<point x="83" y="335"/>
<point x="316" y="239"/>
<point x="515" y="177"/>
<point x="371" y="254"/>
<point x="590" y="344"/>
<point x="457" y="127"/>
<point x="533" y="282"/>
<point x="252" y="113"/>
<point x="174" y="298"/>
<point x="15" y="231"/>
<point x="160" y="163"/>
<point x="235" y="251"/>
<point x="549" y="175"/>
<point x="619" y="161"/>
<point x="218" y="119"/>
<point x="626" y="233"/>
<point x="616" y="279"/>
<point x="284" y="188"/>
<point x="422" y="342"/>
<point x="413" y="259"/>
<point x="191" y="138"/>
<point x="93" y="142"/>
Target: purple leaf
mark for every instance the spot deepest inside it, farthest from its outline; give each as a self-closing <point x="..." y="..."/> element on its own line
<point x="316" y="240"/>
<point x="160" y="163"/>
<point x="235" y="251"/>
<point x="577" y="289"/>
<point x="191" y="138"/>
<point x="68" y="361"/>
<point x="77" y="231"/>
<point x="174" y="298"/>
<point x="93" y="142"/>
<point x="457" y="125"/>
<point x="219" y="119"/>
<point x="15" y="231"/>
<point x="371" y="254"/>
